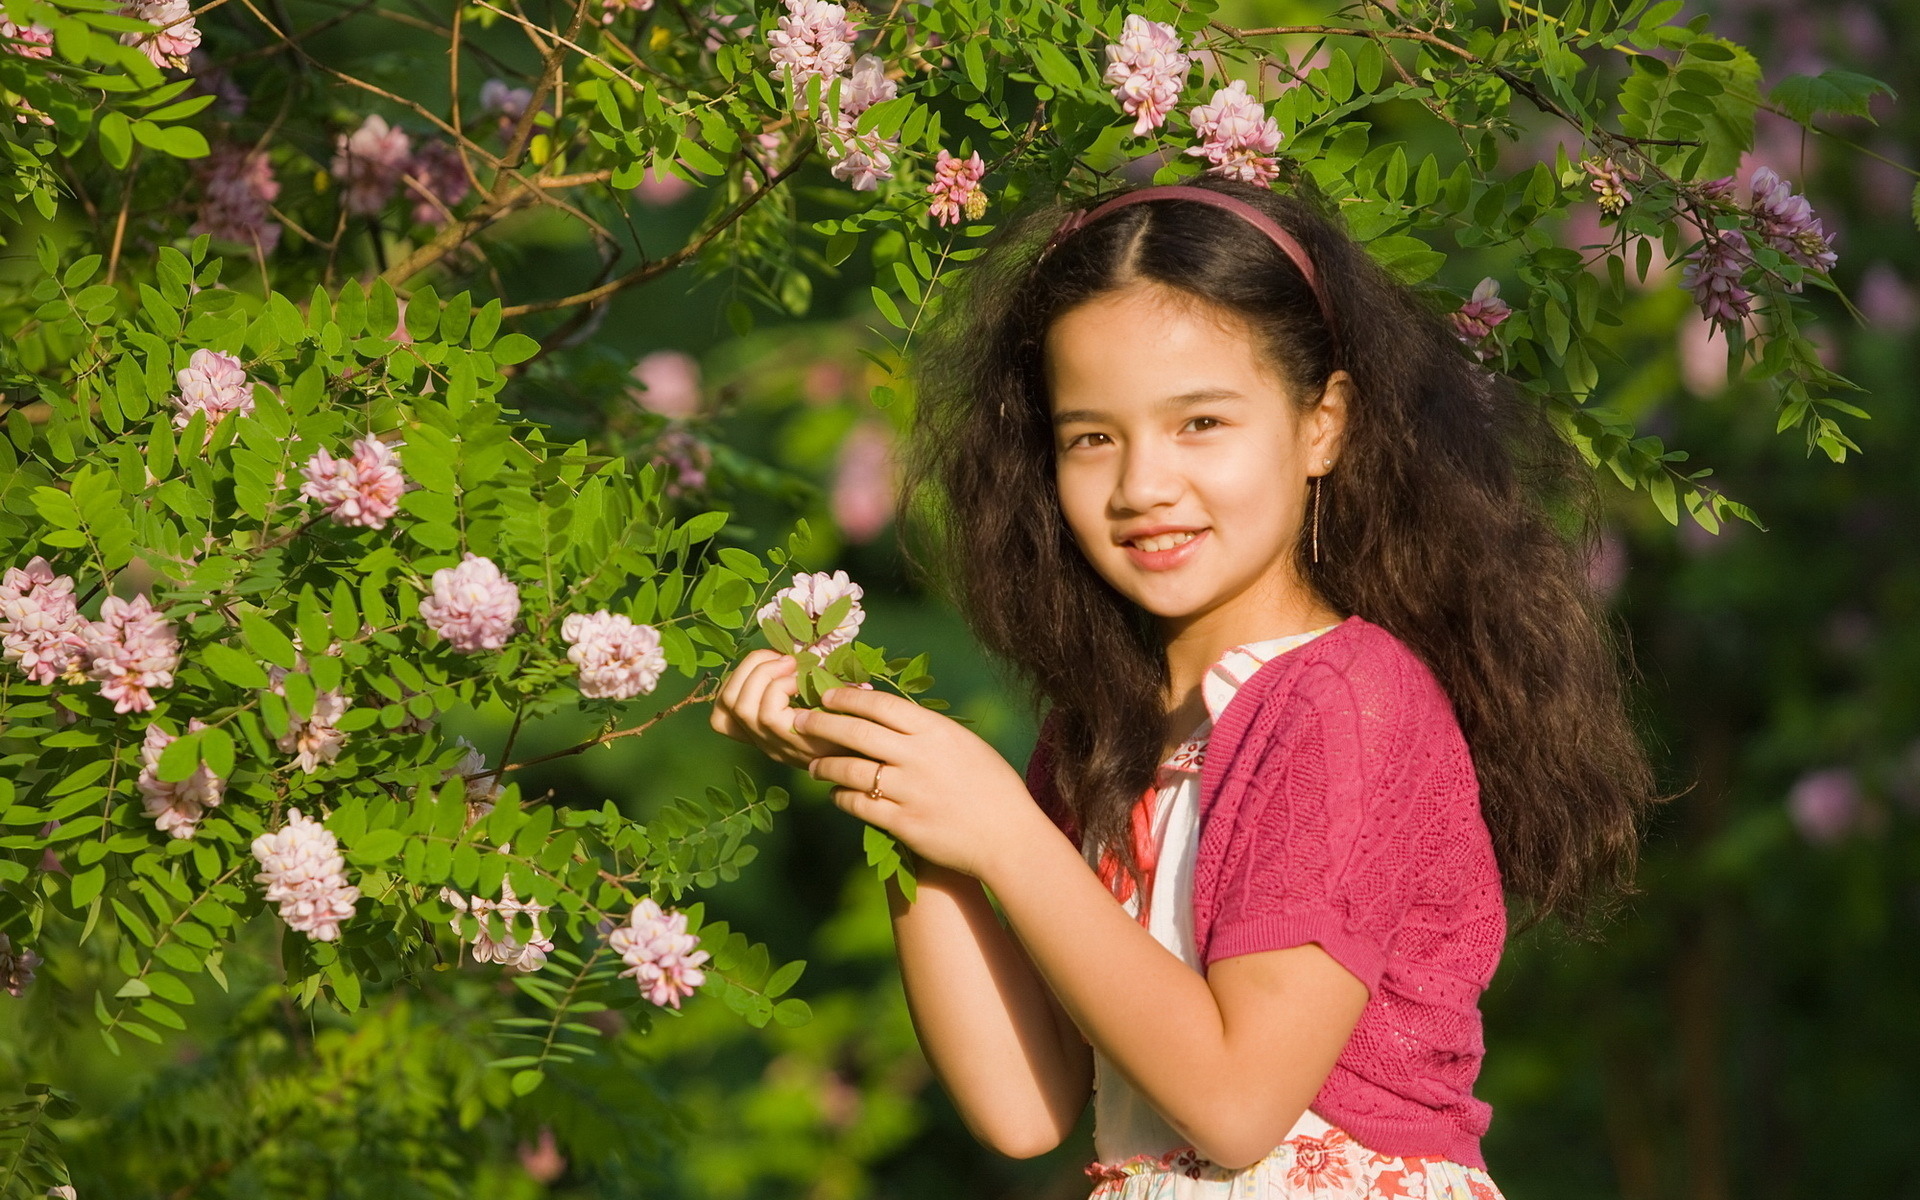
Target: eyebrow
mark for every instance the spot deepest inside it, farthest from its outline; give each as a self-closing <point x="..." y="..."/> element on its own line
<point x="1183" y="400"/>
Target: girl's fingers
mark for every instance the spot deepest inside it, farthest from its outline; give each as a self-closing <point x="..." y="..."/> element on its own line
<point x="753" y="689"/>
<point x="729" y="697"/>
<point x="883" y="708"/>
<point x="855" y="733"/>
<point x="855" y="773"/>
<point x="775" y="713"/>
<point x="859" y="804"/>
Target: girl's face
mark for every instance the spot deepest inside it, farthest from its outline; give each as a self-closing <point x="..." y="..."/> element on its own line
<point x="1182" y="461"/>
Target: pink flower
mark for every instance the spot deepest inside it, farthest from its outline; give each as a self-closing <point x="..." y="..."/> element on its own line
<point x="956" y="188"/>
<point x="659" y="187"/>
<point x="508" y="103"/>
<point x="28" y="41"/>
<point x="303" y="871"/>
<point x="214" y="383"/>
<point x="133" y="650"/>
<point x="863" y="486"/>
<point x="815" y="593"/>
<point x="1239" y="136"/>
<point x="1886" y="300"/>
<point x="473" y="605"/>
<point x="311" y="740"/>
<point x="543" y="1160"/>
<point x="684" y="460"/>
<point x="618" y="659"/>
<point x="861" y="159"/>
<point x="438" y="179"/>
<point x="1147" y="69"/>
<point x="1473" y="322"/>
<point x="1610" y="181"/>
<point x="1786" y="222"/>
<point x="177" y="34"/>
<point x="659" y="952"/>
<point x="669" y="383"/>
<point x="370" y="163"/>
<point x="238" y="186"/>
<point x="615" y="7"/>
<point x="361" y="490"/>
<point x="504" y="950"/>
<point x="814" y="38"/>
<point x="16" y="967"/>
<point x="176" y="808"/>
<point x="40" y="623"/>
<point x="1713" y="271"/>
<point x="1825" y="805"/>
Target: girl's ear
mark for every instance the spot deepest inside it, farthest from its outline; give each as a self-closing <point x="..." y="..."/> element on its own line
<point x="1327" y="423"/>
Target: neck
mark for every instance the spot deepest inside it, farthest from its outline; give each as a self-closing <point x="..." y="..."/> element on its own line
<point x="1195" y="643"/>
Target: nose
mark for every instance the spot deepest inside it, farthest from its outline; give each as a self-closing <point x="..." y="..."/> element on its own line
<point x="1149" y="478"/>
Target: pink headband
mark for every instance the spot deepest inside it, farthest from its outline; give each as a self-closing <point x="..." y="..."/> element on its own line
<point x="1181" y="191"/>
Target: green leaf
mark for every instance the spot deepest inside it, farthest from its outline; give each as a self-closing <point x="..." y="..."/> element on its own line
<point x="266" y="640"/>
<point x="180" y="141"/>
<point x="180" y="759"/>
<point x="116" y="139"/>
<point x="514" y="348"/>
<point x="1834" y="91"/>
<point x="216" y="750"/>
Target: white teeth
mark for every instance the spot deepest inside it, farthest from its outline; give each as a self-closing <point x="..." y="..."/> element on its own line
<point x="1164" y="541"/>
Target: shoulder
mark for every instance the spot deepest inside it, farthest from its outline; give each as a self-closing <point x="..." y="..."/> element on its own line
<point x="1357" y="670"/>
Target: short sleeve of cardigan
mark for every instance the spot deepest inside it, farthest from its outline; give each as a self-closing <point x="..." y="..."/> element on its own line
<point x="1346" y="813"/>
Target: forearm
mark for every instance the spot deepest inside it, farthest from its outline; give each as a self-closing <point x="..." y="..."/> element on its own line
<point x="983" y="1017"/>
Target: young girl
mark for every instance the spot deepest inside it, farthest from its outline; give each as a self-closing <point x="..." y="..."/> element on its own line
<point x="1302" y="588"/>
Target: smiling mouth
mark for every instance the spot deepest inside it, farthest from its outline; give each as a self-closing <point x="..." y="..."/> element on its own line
<point x="1163" y="541"/>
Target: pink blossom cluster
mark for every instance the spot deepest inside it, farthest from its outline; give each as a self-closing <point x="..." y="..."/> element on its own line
<point x="1473" y="321"/>
<point x="215" y="383"/>
<point x="684" y="459"/>
<point x="863" y="483"/>
<point x="300" y="865"/>
<point x="1147" y="69"/>
<point x="131" y="650"/>
<point x="660" y="954"/>
<point x="40" y="623"/>
<point x="238" y="189"/>
<point x="813" y="38"/>
<point x="669" y="383"/>
<point x="362" y="489"/>
<point x="815" y="592"/>
<point x="956" y="188"/>
<point x="618" y="659"/>
<point x="507" y="103"/>
<point x="1785" y="221"/>
<point x="438" y="180"/>
<point x="504" y="950"/>
<point x="176" y="808"/>
<point x="473" y="605"/>
<point x="370" y="162"/>
<point x="867" y="158"/>
<point x="1713" y="272"/>
<point x="1825" y="805"/>
<point x="614" y="8"/>
<point x="314" y="739"/>
<point x="177" y="34"/>
<point x="16" y="967"/>
<point x="1610" y="181"/>
<point x="28" y="41"/>
<point x="1237" y="136"/>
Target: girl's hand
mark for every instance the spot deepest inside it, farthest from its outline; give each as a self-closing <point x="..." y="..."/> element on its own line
<point x="755" y="706"/>
<point x="944" y="792"/>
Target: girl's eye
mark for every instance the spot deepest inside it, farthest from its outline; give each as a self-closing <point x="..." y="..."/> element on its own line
<point x="1201" y="424"/>
<point x="1084" y="439"/>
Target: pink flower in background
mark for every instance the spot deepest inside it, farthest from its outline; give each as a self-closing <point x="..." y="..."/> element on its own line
<point x="816" y="592"/>
<point x="618" y="659"/>
<point x="543" y="1161"/>
<point x="176" y="808"/>
<point x="177" y="37"/>
<point x="369" y="163"/>
<point x="1607" y="568"/>
<point x="40" y="623"/>
<point x="614" y="8"/>
<point x="1786" y="222"/>
<point x="473" y="605"/>
<point x="301" y="867"/>
<point x="1713" y="272"/>
<point x="214" y="383"/>
<point x="669" y="384"/>
<point x="16" y="967"/>
<point x="721" y="29"/>
<point x="1610" y="181"/>
<point x="316" y="739"/>
<point x="1703" y="362"/>
<point x="1148" y="69"/>
<point x="363" y="489"/>
<point x="824" y="382"/>
<point x="660" y="954"/>
<point x="237" y="189"/>
<point x="684" y="460"/>
<point x="502" y="99"/>
<point x="658" y="188"/>
<point x="1886" y="300"/>
<point x="28" y="41"/>
<point x="504" y="950"/>
<point x="1238" y="137"/>
<point x="1474" y="321"/>
<point x="1825" y="805"/>
<point x="437" y="179"/>
<point x="210" y="80"/>
<point x="132" y="650"/>
<point x="863" y="485"/>
<point x="956" y="188"/>
<point x="813" y="38"/>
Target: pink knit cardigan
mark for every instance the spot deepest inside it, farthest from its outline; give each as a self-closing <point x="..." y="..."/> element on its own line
<point x="1338" y="805"/>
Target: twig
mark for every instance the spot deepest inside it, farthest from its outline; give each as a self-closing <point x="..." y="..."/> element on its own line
<point x="700" y="694"/>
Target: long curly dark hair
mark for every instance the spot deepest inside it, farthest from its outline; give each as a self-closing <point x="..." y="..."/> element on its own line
<point x="1458" y="519"/>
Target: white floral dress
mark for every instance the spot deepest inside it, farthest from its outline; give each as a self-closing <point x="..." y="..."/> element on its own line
<point x="1138" y="1156"/>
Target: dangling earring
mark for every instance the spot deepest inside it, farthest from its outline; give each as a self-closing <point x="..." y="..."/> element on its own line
<point x="1316" y="517"/>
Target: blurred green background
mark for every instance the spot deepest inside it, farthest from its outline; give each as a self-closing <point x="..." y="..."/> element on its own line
<point x="1748" y="1026"/>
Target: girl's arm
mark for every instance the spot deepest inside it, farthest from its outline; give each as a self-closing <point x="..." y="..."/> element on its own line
<point x="1009" y="1057"/>
<point x="1230" y="1059"/>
